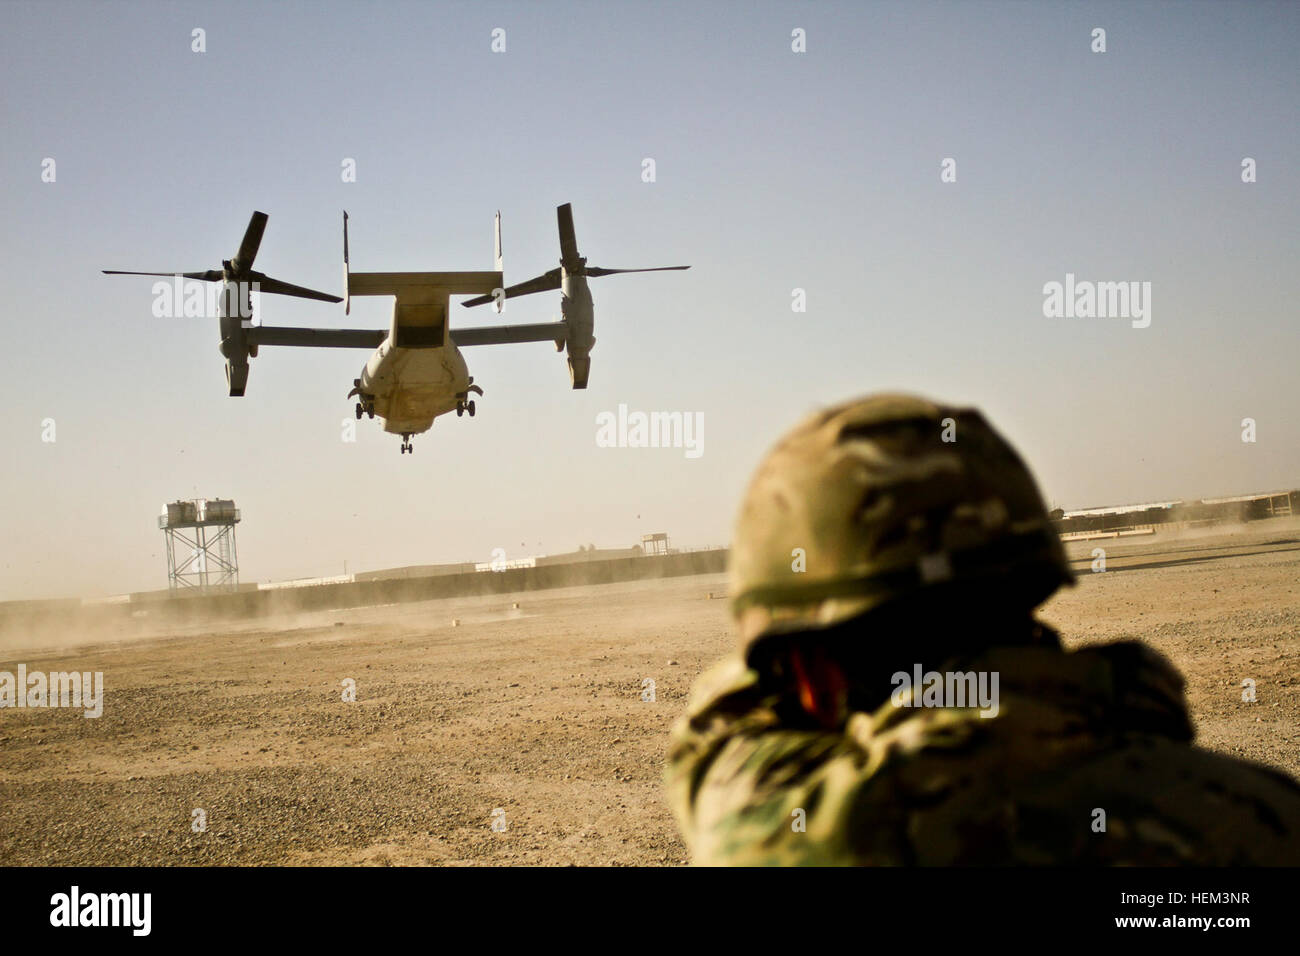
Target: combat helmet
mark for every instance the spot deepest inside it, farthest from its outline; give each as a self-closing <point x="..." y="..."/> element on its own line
<point x="882" y="498"/>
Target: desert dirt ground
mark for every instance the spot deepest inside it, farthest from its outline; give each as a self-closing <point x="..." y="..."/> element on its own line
<point x="535" y="712"/>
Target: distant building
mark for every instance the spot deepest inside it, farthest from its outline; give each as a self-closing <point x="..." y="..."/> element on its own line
<point x="506" y="564"/>
<point x="415" y="571"/>
<point x="307" y="582"/>
<point x="1119" y="519"/>
<point x="656" y="543"/>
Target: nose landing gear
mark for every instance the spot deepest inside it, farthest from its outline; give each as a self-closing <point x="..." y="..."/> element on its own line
<point x="407" y="447"/>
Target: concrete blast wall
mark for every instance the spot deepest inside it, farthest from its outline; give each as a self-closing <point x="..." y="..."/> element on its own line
<point x="390" y="591"/>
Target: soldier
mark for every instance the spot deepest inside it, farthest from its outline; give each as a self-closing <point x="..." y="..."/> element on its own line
<point x="884" y="546"/>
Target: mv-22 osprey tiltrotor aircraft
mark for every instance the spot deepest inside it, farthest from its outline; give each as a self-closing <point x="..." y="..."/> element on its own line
<point x="417" y="371"/>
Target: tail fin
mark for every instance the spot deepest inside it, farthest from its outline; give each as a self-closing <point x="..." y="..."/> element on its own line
<point x="347" y="296"/>
<point x="499" y="302"/>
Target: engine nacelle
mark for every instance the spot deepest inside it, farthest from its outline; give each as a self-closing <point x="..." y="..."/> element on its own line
<point x="236" y="377"/>
<point x="580" y="320"/>
<point x="237" y="350"/>
<point x="579" y="369"/>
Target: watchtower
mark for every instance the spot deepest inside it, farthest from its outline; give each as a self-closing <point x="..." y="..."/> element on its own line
<point x="200" y="538"/>
<point x="655" y="543"/>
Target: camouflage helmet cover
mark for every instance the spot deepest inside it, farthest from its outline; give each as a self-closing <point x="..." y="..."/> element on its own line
<point x="876" y="499"/>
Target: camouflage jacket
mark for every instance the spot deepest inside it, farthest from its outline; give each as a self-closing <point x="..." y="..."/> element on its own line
<point x="1100" y="729"/>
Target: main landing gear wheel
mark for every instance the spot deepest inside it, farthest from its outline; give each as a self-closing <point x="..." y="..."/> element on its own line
<point x="460" y="409"/>
<point x="359" y="411"/>
<point x="470" y="408"/>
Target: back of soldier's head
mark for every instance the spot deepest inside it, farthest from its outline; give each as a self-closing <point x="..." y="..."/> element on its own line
<point x="884" y="507"/>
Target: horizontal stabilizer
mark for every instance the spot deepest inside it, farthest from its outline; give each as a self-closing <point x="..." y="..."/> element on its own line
<point x="423" y="286"/>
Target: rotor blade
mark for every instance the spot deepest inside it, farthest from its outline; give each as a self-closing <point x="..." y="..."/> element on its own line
<point x="212" y="275"/>
<point x="542" y="283"/>
<point x="243" y="260"/>
<point x="568" y="238"/>
<point x="596" y="272"/>
<point x="275" y="286"/>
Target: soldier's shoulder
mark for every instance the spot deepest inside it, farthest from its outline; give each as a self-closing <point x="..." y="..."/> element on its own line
<point x="739" y="780"/>
<point x="728" y="685"/>
<point x="724" y="700"/>
<point x="1195" y="806"/>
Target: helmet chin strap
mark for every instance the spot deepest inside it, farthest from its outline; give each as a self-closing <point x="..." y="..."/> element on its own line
<point x="823" y="688"/>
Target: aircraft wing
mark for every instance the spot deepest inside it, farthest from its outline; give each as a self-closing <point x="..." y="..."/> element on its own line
<point x="314" y="338"/>
<point x="370" y="338"/>
<point x="506" y="334"/>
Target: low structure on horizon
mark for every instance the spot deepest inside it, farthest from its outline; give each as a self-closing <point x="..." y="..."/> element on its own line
<point x="1146" y="518"/>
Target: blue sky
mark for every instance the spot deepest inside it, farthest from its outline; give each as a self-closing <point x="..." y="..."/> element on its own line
<point x="775" y="171"/>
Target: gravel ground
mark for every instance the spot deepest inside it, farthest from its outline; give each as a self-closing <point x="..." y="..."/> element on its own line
<point x="530" y="717"/>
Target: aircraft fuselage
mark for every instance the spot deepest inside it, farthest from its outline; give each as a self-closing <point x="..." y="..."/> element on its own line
<point x="409" y="387"/>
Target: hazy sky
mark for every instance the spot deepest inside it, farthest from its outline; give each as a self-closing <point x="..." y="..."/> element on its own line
<point x="776" y="170"/>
